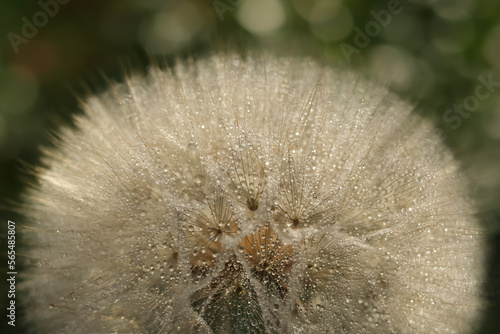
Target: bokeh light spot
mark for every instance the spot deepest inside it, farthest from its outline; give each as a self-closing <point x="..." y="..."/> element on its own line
<point x="261" y="16"/>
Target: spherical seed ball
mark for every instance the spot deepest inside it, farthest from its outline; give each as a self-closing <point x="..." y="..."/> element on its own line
<point x="250" y="195"/>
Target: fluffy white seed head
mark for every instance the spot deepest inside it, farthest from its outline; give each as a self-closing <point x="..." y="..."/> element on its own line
<point x="251" y="195"/>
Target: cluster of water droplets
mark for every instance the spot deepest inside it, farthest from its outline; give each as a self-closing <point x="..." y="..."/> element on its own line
<point x="255" y="195"/>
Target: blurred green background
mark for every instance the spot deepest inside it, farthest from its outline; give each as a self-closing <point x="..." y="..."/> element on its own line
<point x="435" y="53"/>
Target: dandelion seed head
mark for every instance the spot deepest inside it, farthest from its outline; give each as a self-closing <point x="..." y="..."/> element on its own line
<point x="251" y="195"/>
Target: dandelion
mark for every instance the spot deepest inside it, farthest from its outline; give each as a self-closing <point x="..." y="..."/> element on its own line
<point x="250" y="195"/>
